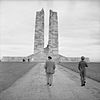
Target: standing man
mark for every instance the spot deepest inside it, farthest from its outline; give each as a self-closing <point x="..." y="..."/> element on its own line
<point x="82" y="69"/>
<point x="50" y="70"/>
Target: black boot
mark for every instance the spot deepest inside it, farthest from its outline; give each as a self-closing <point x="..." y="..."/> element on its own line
<point x="82" y="84"/>
<point x="49" y="84"/>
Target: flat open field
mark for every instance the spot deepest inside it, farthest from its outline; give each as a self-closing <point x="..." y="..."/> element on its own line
<point x="93" y="70"/>
<point x="11" y="71"/>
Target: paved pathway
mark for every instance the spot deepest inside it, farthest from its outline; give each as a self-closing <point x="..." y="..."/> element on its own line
<point x="66" y="86"/>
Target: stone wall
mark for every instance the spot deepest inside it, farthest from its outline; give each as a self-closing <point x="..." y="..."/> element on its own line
<point x="39" y="32"/>
<point x="14" y="59"/>
<point x="71" y="59"/>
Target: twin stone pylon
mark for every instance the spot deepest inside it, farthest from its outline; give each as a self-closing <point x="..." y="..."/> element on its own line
<point x="52" y="47"/>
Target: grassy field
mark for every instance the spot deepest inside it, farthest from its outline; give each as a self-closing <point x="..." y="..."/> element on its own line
<point x="11" y="71"/>
<point x="93" y="70"/>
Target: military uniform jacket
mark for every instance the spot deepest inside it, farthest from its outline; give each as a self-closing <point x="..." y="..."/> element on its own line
<point x="50" y="67"/>
<point x="82" y="65"/>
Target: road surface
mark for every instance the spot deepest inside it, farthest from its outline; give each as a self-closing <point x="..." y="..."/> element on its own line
<point x="66" y="86"/>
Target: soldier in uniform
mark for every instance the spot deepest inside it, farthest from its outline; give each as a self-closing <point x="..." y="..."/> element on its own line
<point x="50" y="70"/>
<point x="81" y="66"/>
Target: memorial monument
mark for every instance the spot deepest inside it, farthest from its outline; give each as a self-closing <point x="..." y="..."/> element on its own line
<point x="52" y="49"/>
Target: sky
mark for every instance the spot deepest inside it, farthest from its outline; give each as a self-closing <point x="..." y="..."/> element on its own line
<point x="78" y="26"/>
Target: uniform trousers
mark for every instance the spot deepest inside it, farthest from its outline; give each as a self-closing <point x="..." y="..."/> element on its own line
<point x="83" y="74"/>
<point x="49" y="78"/>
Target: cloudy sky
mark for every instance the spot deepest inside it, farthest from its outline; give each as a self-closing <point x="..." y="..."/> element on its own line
<point x="79" y="26"/>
